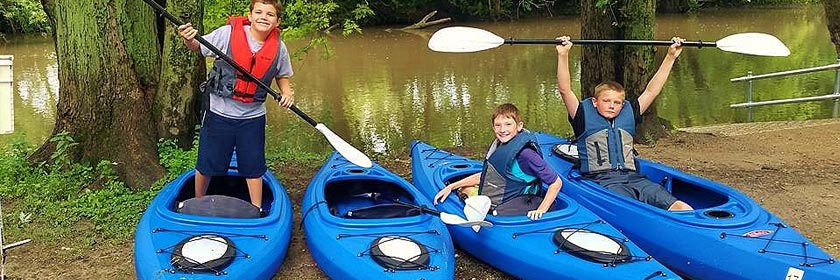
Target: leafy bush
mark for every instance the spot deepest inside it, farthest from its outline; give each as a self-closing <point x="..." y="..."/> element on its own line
<point x="22" y="16"/>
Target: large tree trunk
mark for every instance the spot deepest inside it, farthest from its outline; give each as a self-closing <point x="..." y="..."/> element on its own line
<point x="109" y="59"/>
<point x="832" y="19"/>
<point x="599" y="63"/>
<point x="632" y="66"/>
<point x="178" y="96"/>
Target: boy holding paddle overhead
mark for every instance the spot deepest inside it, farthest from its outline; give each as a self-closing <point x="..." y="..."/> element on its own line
<point x="513" y="171"/>
<point x="235" y="115"/>
<point x="605" y="125"/>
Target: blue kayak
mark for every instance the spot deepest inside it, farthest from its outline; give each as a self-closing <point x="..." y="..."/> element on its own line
<point x="358" y="226"/>
<point x="569" y="242"/>
<point x="175" y="244"/>
<point x="727" y="236"/>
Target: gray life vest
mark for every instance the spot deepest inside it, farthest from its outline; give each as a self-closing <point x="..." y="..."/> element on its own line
<point x="606" y="145"/>
<point x="502" y="178"/>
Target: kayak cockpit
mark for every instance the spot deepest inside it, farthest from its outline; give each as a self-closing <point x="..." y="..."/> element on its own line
<point x="368" y="199"/>
<point x="225" y="187"/>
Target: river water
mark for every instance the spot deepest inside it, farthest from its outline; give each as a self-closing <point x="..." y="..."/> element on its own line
<point x="381" y="89"/>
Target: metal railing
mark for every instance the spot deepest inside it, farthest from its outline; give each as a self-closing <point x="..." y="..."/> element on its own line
<point x="750" y="78"/>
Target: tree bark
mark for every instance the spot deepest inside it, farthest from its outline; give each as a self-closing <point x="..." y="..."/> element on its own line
<point x="109" y="59"/>
<point x="178" y="98"/>
<point x="632" y="66"/>
<point x="599" y="63"/>
<point x="832" y="19"/>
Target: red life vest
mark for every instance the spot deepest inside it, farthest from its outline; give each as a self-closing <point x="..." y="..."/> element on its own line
<point x="258" y="64"/>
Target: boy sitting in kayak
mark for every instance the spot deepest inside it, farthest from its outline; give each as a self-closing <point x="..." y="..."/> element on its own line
<point x="513" y="170"/>
<point x="605" y="125"/>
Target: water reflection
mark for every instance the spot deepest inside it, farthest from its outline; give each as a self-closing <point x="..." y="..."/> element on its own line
<point x="382" y="89"/>
<point x="35" y="86"/>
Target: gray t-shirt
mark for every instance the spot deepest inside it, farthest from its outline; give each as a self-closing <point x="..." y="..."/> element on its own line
<point x="229" y="108"/>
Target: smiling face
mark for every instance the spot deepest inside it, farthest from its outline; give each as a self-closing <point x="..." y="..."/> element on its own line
<point x="264" y="17"/>
<point x="505" y="128"/>
<point x="609" y="103"/>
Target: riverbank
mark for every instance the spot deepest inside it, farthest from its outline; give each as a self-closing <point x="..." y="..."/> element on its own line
<point x="791" y="171"/>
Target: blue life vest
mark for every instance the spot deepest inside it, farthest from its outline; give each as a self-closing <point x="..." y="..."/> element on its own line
<point x="606" y="145"/>
<point x="502" y="178"/>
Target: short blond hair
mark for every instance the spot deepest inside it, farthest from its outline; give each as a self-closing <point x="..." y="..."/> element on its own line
<point x="609" y="85"/>
<point x="507" y="110"/>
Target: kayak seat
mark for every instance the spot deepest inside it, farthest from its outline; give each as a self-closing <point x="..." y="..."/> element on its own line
<point x="219" y="206"/>
<point x="368" y="199"/>
<point x="227" y="186"/>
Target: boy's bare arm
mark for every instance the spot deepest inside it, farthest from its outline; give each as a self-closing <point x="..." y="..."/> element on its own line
<point x="658" y="81"/>
<point x="287" y="95"/>
<point x="564" y="80"/>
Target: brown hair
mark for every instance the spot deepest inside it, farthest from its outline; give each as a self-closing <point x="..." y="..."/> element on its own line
<point x="507" y="110"/>
<point x="608" y="85"/>
<point x="277" y="7"/>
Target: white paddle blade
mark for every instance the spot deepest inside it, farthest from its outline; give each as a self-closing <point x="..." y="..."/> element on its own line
<point x="348" y="152"/>
<point x="451" y="219"/>
<point x="476" y="209"/>
<point x="754" y="44"/>
<point x="461" y="39"/>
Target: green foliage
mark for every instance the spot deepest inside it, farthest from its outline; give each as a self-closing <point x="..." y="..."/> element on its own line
<point x="63" y="146"/>
<point x="216" y="12"/>
<point x="22" y="16"/>
<point x="300" y="18"/>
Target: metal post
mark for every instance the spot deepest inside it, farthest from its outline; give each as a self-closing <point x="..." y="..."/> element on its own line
<point x="749" y="97"/>
<point x="2" y="253"/>
<point x="7" y="113"/>
<point x="836" y="91"/>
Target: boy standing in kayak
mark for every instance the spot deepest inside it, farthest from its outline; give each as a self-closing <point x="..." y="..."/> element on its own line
<point x="235" y="116"/>
<point x="605" y="125"/>
<point x="513" y="170"/>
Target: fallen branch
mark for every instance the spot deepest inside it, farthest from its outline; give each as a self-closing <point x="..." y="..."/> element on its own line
<point x="423" y="23"/>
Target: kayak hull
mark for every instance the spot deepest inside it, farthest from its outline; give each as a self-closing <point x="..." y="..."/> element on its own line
<point x="519" y="246"/>
<point x="260" y="243"/>
<point x="727" y="236"/>
<point x="342" y="246"/>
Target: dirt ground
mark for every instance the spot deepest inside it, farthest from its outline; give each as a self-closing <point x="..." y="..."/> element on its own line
<point x="792" y="168"/>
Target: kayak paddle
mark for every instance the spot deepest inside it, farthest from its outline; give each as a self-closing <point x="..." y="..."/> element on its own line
<point x="460" y="39"/>
<point x="447" y="218"/>
<point x="345" y="149"/>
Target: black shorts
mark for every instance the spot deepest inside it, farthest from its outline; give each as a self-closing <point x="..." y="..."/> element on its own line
<point x="636" y="186"/>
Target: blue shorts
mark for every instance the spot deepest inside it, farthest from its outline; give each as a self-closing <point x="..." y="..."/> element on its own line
<point x="219" y="136"/>
<point x="636" y="186"/>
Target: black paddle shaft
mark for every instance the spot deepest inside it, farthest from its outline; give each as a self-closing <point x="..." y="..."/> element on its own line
<point x="422" y="208"/>
<point x="230" y="61"/>
<point x="699" y="44"/>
